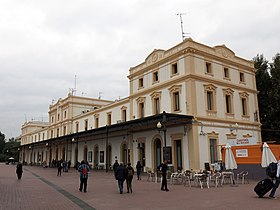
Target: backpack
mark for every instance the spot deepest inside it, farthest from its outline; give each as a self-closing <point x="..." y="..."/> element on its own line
<point x="130" y="172"/>
<point x="84" y="171"/>
<point x="271" y="170"/>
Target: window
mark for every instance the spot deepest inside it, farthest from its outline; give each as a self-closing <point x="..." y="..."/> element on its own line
<point x="226" y="73"/>
<point x="155" y="96"/>
<point x="52" y="119"/>
<point x="141" y="83"/>
<point x="213" y="150"/>
<point x="228" y="95"/>
<point x="64" y="130"/>
<point x="141" y="106"/>
<point x="244" y="106"/>
<point x="57" y="132"/>
<point x="174" y="68"/>
<point x="77" y="127"/>
<point x="228" y="104"/>
<point x="210" y="103"/>
<point x="156" y="106"/>
<point x="210" y="99"/>
<point x="51" y="133"/>
<point x="43" y="136"/>
<point x="86" y="125"/>
<point x="208" y="68"/>
<point x="109" y="118"/>
<point x="58" y="116"/>
<point x="124" y="115"/>
<point x="241" y="76"/>
<point x="176" y="99"/>
<point x="155" y="76"/>
<point x="96" y="122"/>
<point x="141" y="110"/>
<point x="175" y="91"/>
<point x="64" y="114"/>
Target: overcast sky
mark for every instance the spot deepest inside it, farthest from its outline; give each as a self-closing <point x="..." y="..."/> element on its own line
<point x="44" y="44"/>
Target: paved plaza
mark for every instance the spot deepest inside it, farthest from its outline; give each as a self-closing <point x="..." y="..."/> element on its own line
<point x="40" y="188"/>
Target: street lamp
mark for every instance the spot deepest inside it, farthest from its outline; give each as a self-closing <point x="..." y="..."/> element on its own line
<point x="161" y="126"/>
<point x="234" y="127"/>
<point x="76" y="150"/>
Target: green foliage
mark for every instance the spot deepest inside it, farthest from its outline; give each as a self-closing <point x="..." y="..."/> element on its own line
<point x="268" y="85"/>
<point x="8" y="148"/>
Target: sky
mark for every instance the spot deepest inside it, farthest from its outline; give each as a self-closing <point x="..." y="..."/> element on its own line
<point x="44" y="44"/>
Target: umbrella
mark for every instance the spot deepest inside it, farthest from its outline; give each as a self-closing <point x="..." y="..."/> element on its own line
<point x="11" y="158"/>
<point x="267" y="156"/>
<point x="230" y="162"/>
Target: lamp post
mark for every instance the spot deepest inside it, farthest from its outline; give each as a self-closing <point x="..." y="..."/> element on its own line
<point x="162" y="127"/>
<point x="76" y="150"/>
<point x="107" y="150"/>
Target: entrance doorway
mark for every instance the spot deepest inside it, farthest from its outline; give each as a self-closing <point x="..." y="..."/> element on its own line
<point x="157" y="153"/>
<point x="178" y="155"/>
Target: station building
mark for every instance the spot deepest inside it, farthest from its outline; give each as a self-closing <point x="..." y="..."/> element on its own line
<point x="184" y="105"/>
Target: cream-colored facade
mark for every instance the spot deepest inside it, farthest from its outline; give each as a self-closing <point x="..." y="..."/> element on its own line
<point x="211" y="87"/>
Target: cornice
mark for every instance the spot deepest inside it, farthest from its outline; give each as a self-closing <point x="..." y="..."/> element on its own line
<point x="190" y="47"/>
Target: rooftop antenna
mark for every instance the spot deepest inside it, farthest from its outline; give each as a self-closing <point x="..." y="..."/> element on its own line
<point x="75" y="88"/>
<point x="99" y="95"/>
<point x="83" y="93"/>
<point x="182" y="29"/>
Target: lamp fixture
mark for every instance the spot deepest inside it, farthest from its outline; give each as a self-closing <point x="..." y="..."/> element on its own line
<point x="233" y="127"/>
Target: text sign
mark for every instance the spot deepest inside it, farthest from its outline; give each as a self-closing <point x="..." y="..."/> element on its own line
<point x="242" y="153"/>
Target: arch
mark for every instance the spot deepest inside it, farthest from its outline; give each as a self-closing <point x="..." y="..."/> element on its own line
<point x="157" y="149"/>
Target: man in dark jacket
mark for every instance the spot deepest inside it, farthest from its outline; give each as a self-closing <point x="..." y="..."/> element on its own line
<point x="120" y="176"/>
<point x="163" y="169"/>
<point x="83" y="169"/>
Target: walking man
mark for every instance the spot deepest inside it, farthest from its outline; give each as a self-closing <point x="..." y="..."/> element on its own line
<point x="163" y="169"/>
<point x="83" y="169"/>
<point x="277" y="181"/>
<point x="120" y="176"/>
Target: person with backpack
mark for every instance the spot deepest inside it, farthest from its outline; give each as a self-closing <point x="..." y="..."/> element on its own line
<point x="276" y="174"/>
<point x="83" y="169"/>
<point x="129" y="177"/>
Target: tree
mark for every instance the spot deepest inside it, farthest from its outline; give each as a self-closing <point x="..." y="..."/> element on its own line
<point x="275" y="102"/>
<point x="2" y="142"/>
<point x="263" y="81"/>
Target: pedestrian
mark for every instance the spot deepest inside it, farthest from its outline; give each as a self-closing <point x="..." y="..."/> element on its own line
<point x="64" y="164"/>
<point x="83" y="169"/>
<point x="59" y="167"/>
<point x="139" y="168"/>
<point x="120" y="176"/>
<point x="163" y="169"/>
<point x="277" y="181"/>
<point x="19" y="170"/>
<point x="129" y="176"/>
<point x="116" y="164"/>
<point x="69" y="164"/>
